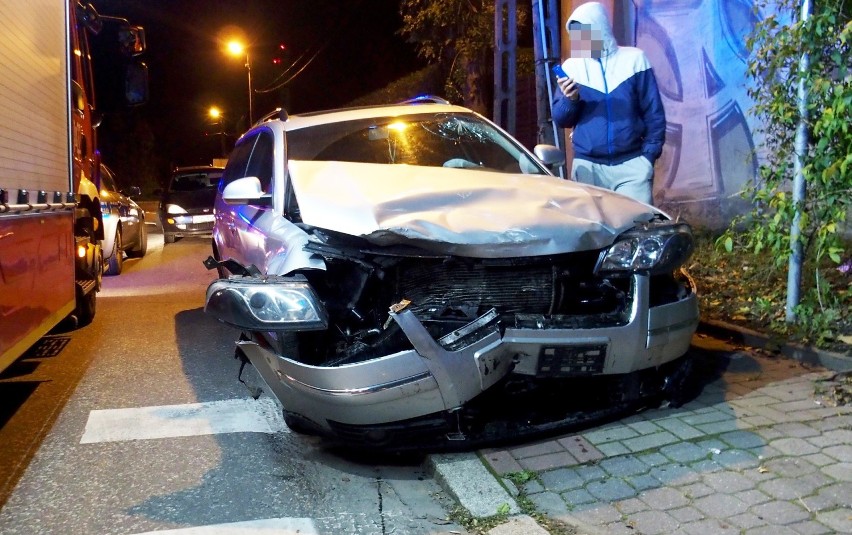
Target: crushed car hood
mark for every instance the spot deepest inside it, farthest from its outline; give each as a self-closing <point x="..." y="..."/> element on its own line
<point x="466" y="212"/>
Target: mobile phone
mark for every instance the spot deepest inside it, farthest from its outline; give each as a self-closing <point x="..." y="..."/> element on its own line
<point x="559" y="71"/>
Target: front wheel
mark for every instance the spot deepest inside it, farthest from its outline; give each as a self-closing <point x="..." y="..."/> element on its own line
<point x="142" y="248"/>
<point x="116" y="261"/>
<point x="168" y="238"/>
<point x="299" y="424"/>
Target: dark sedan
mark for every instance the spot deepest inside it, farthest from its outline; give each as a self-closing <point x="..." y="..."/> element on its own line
<point x="186" y="206"/>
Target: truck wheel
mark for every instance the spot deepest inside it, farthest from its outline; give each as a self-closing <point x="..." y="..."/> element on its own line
<point x="168" y="238"/>
<point x="116" y="261"/>
<point x="86" y="306"/>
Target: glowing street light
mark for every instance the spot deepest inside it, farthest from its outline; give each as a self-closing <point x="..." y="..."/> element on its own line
<point x="216" y="114"/>
<point x="238" y="49"/>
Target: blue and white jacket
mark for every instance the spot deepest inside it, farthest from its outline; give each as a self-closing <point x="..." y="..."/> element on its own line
<point x="619" y="114"/>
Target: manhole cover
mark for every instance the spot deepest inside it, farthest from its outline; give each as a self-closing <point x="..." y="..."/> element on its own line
<point x="49" y="346"/>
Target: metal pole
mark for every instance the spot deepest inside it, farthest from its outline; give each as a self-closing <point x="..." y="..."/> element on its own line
<point x="505" y="64"/>
<point x="248" y="68"/>
<point x="543" y="27"/>
<point x="794" y="271"/>
<point x="546" y="29"/>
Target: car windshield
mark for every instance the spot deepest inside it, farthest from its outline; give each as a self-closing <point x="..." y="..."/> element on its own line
<point x="107" y="183"/>
<point x="196" y="180"/>
<point x="436" y="140"/>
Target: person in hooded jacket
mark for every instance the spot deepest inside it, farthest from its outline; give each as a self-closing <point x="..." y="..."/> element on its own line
<point x="611" y="100"/>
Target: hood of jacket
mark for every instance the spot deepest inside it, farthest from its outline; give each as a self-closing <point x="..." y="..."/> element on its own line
<point x="594" y="15"/>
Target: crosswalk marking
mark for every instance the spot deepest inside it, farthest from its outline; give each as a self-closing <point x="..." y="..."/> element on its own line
<point x="277" y="526"/>
<point x="209" y="418"/>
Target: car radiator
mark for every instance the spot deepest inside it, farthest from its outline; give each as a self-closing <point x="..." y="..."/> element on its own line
<point x="447" y="288"/>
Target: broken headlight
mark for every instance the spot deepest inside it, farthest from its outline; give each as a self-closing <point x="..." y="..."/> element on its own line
<point x="266" y="304"/>
<point x="653" y="249"/>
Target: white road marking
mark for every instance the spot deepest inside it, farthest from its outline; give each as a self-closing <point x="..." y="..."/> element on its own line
<point x="277" y="526"/>
<point x="210" y="418"/>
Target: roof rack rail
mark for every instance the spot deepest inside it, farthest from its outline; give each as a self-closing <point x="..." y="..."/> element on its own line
<point x="426" y="98"/>
<point x="278" y="113"/>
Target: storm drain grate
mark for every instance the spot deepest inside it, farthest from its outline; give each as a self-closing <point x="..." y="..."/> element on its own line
<point x="49" y="346"/>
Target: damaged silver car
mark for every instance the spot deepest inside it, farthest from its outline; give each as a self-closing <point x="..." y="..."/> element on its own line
<point x="411" y="274"/>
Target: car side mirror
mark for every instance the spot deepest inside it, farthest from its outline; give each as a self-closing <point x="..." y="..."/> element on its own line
<point x="550" y="155"/>
<point x="133" y="191"/>
<point x="246" y="190"/>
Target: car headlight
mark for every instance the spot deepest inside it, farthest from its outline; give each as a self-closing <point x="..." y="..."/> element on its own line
<point x="266" y="304"/>
<point x="652" y="249"/>
<point x="174" y="209"/>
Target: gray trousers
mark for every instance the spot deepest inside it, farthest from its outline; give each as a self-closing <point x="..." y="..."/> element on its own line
<point x="633" y="178"/>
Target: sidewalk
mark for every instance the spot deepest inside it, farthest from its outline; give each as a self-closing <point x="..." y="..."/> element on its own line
<point x="760" y="450"/>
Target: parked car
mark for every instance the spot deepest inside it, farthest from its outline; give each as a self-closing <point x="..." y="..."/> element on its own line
<point x="409" y="271"/>
<point x="186" y="205"/>
<point x="124" y="224"/>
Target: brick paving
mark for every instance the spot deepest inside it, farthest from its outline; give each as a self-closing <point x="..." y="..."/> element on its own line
<point x="755" y="452"/>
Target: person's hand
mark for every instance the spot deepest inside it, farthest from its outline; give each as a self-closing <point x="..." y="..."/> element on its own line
<point x="569" y="88"/>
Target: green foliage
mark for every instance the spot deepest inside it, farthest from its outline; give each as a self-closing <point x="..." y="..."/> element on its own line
<point x="519" y="478"/>
<point x="775" y="69"/>
<point x="737" y="285"/>
<point x="425" y="81"/>
<point x="127" y="142"/>
<point x="458" y="36"/>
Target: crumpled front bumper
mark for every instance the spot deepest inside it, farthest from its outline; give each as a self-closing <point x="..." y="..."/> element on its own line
<point x="443" y="375"/>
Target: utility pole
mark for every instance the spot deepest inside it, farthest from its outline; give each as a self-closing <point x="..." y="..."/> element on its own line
<point x="794" y="270"/>
<point x="505" y="64"/>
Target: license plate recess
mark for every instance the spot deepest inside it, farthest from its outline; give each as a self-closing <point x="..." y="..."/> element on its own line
<point x="571" y="360"/>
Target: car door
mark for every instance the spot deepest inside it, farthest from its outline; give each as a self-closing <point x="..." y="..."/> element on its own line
<point x="241" y="231"/>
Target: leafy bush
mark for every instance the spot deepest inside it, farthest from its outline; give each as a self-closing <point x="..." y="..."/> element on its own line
<point x="742" y="288"/>
<point x="778" y="224"/>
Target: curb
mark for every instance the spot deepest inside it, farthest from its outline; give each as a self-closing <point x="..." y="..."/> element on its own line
<point x="831" y="360"/>
<point x="465" y="477"/>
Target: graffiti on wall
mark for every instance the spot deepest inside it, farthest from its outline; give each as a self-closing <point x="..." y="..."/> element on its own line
<point x="698" y="50"/>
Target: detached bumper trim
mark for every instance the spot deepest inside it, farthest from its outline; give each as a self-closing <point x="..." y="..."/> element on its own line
<point x="374" y="389"/>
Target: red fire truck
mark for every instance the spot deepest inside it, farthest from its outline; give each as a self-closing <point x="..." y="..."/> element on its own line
<point x="50" y="217"/>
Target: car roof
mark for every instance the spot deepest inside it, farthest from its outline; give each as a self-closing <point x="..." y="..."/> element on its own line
<point x="304" y="120"/>
<point x="186" y="168"/>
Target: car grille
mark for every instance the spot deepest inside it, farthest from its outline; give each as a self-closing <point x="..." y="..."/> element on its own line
<point x="554" y="286"/>
<point x="510" y="290"/>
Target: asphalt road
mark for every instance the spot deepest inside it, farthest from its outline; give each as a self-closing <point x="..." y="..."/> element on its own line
<point x="137" y="423"/>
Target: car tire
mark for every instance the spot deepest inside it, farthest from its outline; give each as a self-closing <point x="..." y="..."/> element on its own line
<point x="116" y="261"/>
<point x="168" y="238"/>
<point x="298" y="424"/>
<point x="142" y="248"/>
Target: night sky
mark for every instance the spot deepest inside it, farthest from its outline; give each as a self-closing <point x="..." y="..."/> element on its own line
<point x="356" y="45"/>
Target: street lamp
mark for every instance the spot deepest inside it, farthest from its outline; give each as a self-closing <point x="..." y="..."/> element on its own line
<point x="216" y="114"/>
<point x="237" y="49"/>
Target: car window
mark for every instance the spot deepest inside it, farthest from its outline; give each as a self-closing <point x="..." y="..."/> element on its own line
<point x="261" y="159"/>
<point x="437" y="140"/>
<point x="252" y="156"/>
<point x="194" y="180"/>
<point x="107" y="182"/>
